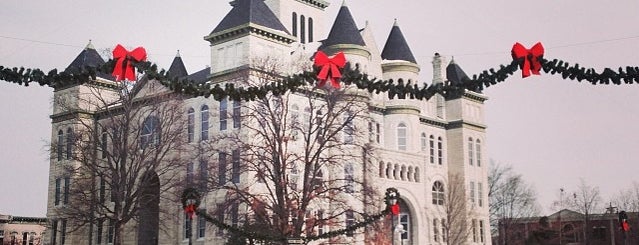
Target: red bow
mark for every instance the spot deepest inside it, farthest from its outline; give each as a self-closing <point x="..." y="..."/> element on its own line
<point x="532" y="58"/>
<point x="395" y="209"/>
<point x="331" y="65"/>
<point x="625" y="226"/>
<point x="123" y="68"/>
<point x="190" y="210"/>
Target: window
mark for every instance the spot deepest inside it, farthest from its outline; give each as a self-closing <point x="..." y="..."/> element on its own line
<point x="110" y="231"/>
<point x="444" y="232"/>
<point x="294" y="24"/>
<point x="150" y="132"/>
<point x="404" y="221"/>
<point x="481" y="231"/>
<point x="424" y="142"/>
<point x="58" y="185"/>
<point x="219" y="211"/>
<point x="294" y="177"/>
<point x="378" y="135"/>
<point x="237" y="112"/>
<point x="223" y="108"/>
<point x="204" y="117"/>
<point x="310" y="29"/>
<point x="63" y="231"/>
<point x="235" y="216"/>
<point x="103" y="144"/>
<point x="102" y="192"/>
<point x="190" y="126"/>
<point x="32" y="236"/>
<point x="189" y="173"/>
<point x="431" y="142"/>
<point x="235" y="175"/>
<point x="67" y="182"/>
<point x="70" y="142"/>
<point x="470" y="151"/>
<point x="25" y="236"/>
<point x="221" y="170"/>
<point x="478" y="150"/>
<point x="302" y="29"/>
<point x="438" y="193"/>
<point x="401" y="136"/>
<point x="440" y="151"/>
<point x="349" y="177"/>
<point x="201" y="226"/>
<point x="188" y="225"/>
<point x="435" y="230"/>
<point x="204" y="175"/>
<point x="350" y="221"/>
<point x="60" y="144"/>
<point x="54" y="231"/>
<point x="318" y="178"/>
<point x="472" y="192"/>
<point x="98" y="232"/>
<point x="348" y="128"/>
<point x="474" y="228"/>
<point x="480" y="194"/>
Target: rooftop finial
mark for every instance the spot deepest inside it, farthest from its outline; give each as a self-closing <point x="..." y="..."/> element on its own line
<point x="89" y="45"/>
<point x="344" y="3"/>
<point x="178" y="53"/>
<point x="395" y="24"/>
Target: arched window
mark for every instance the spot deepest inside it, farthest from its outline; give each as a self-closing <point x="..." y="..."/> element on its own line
<point x="190" y="126"/>
<point x="381" y="169"/>
<point x="204" y="117"/>
<point x="396" y="170"/>
<point x="294" y="24"/>
<point x="349" y="177"/>
<point x="104" y="143"/>
<point x="221" y="169"/>
<point x="60" y="144"/>
<point x="438" y="193"/>
<point x="224" y="103"/>
<point x="70" y="141"/>
<point x="440" y="150"/>
<point x="402" y="173"/>
<point x="302" y="29"/>
<point x="150" y="132"/>
<point x="431" y="142"/>
<point x="416" y="177"/>
<point x="410" y="174"/>
<point x="294" y="177"/>
<point x="478" y="151"/>
<point x="471" y="154"/>
<point x="310" y="29"/>
<point x="389" y="170"/>
<point x="189" y="173"/>
<point x="401" y="136"/>
<point x="348" y="127"/>
<point x="424" y="142"/>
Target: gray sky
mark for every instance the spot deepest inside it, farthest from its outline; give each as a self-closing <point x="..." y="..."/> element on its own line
<point x="553" y="131"/>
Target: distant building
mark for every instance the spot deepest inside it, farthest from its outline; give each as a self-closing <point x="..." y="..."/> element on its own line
<point x="16" y="230"/>
<point x="566" y="227"/>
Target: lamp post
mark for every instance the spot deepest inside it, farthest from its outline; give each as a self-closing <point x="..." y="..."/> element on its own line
<point x="392" y="199"/>
<point x="190" y="202"/>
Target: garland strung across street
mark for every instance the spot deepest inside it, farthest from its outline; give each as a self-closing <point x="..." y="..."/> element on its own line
<point x="522" y="59"/>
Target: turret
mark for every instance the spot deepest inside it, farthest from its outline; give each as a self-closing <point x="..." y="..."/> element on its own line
<point x="345" y="37"/>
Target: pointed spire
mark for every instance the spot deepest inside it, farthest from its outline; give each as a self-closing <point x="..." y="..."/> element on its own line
<point x="344" y="30"/>
<point x="89" y="57"/>
<point x="89" y="45"/>
<point x="177" y="68"/>
<point x="454" y="73"/>
<point x="250" y="11"/>
<point x="396" y="47"/>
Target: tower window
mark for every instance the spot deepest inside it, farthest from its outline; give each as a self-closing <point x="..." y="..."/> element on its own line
<point x="204" y="115"/>
<point x="302" y="29"/>
<point x="190" y="128"/>
<point x="310" y="29"/>
<point x="401" y="136"/>
<point x="294" y="26"/>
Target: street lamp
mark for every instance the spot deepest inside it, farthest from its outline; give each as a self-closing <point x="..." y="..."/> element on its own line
<point x="190" y="202"/>
<point x="392" y="204"/>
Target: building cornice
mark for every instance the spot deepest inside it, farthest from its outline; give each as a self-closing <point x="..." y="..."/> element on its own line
<point x="320" y="4"/>
<point x="247" y="29"/>
<point x="466" y="124"/>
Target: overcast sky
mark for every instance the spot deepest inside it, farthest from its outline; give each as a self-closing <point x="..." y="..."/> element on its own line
<point x="553" y="131"/>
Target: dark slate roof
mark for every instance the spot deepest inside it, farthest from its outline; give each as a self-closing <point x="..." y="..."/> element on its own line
<point x="177" y="68"/>
<point x="344" y="30"/>
<point x="200" y="76"/>
<point x="454" y="73"/>
<point x="250" y="11"/>
<point x="396" y="47"/>
<point x="89" y="57"/>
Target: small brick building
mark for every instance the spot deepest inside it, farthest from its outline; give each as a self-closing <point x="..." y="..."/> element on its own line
<point x="566" y="227"/>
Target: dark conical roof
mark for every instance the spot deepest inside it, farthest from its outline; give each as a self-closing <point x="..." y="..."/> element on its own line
<point x="454" y="73"/>
<point x="396" y="47"/>
<point x="200" y="76"/>
<point x="250" y="11"/>
<point x="344" y="30"/>
<point x="177" y="68"/>
<point x="88" y="57"/>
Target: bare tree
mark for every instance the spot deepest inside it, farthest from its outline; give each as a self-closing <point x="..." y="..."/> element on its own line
<point x="125" y="154"/>
<point x="293" y="163"/>
<point x="586" y="199"/>
<point x="510" y="198"/>
<point x="456" y="226"/>
<point x="627" y="199"/>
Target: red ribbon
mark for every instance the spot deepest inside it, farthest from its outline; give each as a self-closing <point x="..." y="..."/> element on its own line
<point x="532" y="58"/>
<point x="329" y="65"/>
<point x="625" y="226"/>
<point x="123" y="68"/>
<point x="190" y="210"/>
<point x="395" y="209"/>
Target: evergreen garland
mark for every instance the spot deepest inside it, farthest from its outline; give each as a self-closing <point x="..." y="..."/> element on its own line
<point x="478" y="82"/>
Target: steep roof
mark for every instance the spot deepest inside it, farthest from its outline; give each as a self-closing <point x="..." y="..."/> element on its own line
<point x="200" y="76"/>
<point x="396" y="47"/>
<point x="454" y="73"/>
<point x="344" y="30"/>
<point x="177" y="68"/>
<point x="89" y="57"/>
<point x="250" y="11"/>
